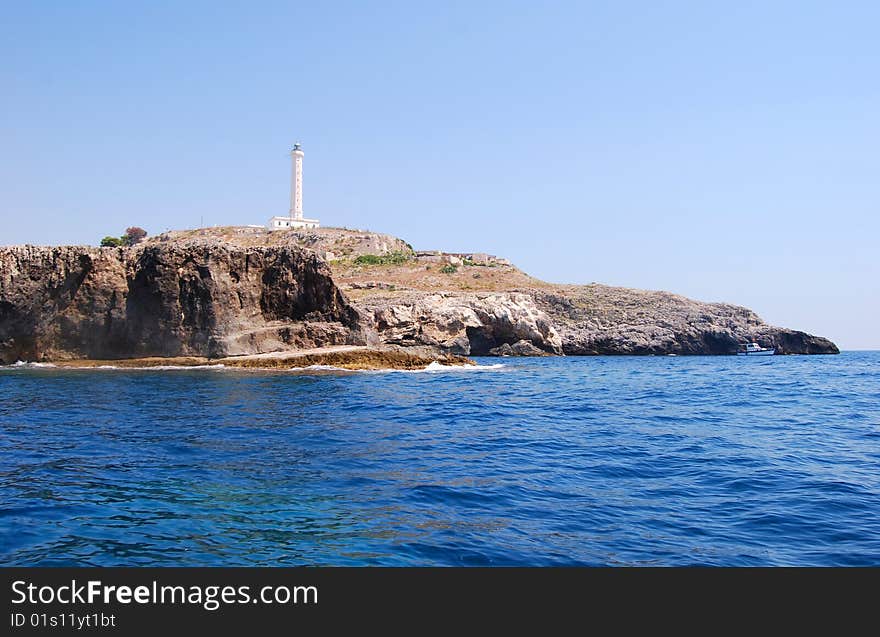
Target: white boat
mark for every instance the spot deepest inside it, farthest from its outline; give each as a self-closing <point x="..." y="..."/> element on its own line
<point x="753" y="349"/>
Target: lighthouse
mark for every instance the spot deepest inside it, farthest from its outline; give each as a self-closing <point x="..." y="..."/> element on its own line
<point x="295" y="218"/>
<point x="296" y="182"/>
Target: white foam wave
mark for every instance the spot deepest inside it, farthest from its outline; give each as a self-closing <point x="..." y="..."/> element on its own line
<point x="440" y="367"/>
<point x="148" y="368"/>
<point x="437" y="367"/>
<point x="25" y="364"/>
<point x="319" y="368"/>
<point x="28" y="365"/>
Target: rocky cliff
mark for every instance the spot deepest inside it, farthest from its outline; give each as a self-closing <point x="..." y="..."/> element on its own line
<point x="191" y="298"/>
<point x="599" y="319"/>
<point x="443" y="299"/>
<point x="468" y="324"/>
<point x="244" y="291"/>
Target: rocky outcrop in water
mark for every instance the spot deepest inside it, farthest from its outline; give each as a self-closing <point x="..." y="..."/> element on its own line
<point x="198" y="298"/>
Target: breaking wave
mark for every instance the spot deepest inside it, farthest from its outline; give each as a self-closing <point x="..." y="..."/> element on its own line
<point x="27" y="365"/>
<point x="436" y="367"/>
<point x="440" y="367"/>
<point x="318" y="368"/>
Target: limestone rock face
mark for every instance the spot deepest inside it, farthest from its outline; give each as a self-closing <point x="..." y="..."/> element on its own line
<point x="197" y="298"/>
<point x="217" y="292"/>
<point x="465" y="323"/>
<point x="63" y="299"/>
<point x="598" y="319"/>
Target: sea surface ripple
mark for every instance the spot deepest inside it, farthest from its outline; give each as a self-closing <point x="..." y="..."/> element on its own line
<point x="555" y="461"/>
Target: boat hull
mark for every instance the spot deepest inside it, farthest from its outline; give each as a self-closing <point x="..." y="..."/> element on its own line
<point x="766" y="352"/>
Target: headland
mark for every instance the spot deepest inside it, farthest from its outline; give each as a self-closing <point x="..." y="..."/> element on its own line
<point x="357" y="299"/>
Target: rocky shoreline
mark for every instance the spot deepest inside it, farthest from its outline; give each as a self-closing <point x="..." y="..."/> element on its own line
<point x="238" y="293"/>
<point x="354" y="358"/>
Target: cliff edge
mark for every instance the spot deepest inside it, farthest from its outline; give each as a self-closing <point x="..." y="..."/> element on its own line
<point x="189" y="298"/>
<point x="225" y="292"/>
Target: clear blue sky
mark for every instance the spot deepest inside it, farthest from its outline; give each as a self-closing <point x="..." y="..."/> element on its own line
<point x="726" y="151"/>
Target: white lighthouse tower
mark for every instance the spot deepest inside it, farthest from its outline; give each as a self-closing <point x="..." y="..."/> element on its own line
<point x="296" y="182"/>
<point x="295" y="219"/>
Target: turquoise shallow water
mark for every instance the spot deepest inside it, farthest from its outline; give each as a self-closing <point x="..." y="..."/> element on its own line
<point x="558" y="461"/>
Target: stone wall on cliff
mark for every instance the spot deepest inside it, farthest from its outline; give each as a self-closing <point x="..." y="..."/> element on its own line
<point x="200" y="298"/>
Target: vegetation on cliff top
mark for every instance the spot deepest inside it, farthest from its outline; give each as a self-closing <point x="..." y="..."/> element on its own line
<point x="393" y="258"/>
<point x="132" y="236"/>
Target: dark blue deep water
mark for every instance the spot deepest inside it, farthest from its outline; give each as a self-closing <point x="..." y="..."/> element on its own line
<point x="559" y="461"/>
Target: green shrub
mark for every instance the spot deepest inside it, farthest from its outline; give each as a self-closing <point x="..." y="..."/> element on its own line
<point x="399" y="257"/>
<point x="132" y="236"/>
<point x="449" y="269"/>
<point x="394" y="258"/>
<point x="368" y="259"/>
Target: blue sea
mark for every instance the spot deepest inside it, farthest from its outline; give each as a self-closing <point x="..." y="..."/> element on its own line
<point x="551" y="461"/>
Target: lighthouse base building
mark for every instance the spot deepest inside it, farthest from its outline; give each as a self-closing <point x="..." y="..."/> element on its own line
<point x="295" y="219"/>
<point x="280" y="223"/>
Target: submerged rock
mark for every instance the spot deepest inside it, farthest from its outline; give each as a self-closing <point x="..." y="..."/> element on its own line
<point x="520" y="348"/>
<point x="350" y="357"/>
